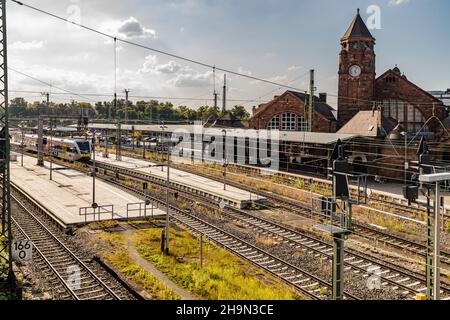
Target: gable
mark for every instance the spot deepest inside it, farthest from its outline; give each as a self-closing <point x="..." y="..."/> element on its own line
<point x="296" y="99"/>
<point x="395" y="86"/>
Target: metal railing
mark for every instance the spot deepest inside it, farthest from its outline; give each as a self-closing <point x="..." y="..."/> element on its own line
<point x="144" y="209"/>
<point x="96" y="212"/>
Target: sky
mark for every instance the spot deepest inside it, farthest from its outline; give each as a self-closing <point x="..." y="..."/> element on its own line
<point x="277" y="40"/>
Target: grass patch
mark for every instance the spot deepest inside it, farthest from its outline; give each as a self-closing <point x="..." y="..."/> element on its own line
<point x="121" y="259"/>
<point x="223" y="277"/>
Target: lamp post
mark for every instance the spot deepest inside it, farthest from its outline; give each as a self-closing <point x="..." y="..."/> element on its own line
<point x="225" y="160"/>
<point x="143" y="148"/>
<point x="163" y="127"/>
<point x="22" y="144"/>
<point x="405" y="134"/>
<point x="93" y="171"/>
<point x="51" y="149"/>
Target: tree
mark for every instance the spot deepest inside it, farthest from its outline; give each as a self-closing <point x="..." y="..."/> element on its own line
<point x="240" y="113"/>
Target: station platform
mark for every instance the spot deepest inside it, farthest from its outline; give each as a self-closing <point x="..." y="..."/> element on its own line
<point x="69" y="196"/>
<point x="212" y="189"/>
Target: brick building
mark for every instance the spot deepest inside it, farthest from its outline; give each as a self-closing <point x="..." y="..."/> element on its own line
<point x="360" y="90"/>
<point x="289" y="112"/>
<point x="401" y="101"/>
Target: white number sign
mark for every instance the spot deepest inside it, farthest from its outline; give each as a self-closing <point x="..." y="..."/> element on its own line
<point x="22" y="250"/>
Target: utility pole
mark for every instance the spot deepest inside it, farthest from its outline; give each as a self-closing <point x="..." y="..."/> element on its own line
<point x="224" y="105"/>
<point x="118" y="141"/>
<point x="311" y="100"/>
<point x="225" y="160"/>
<point x="50" y="149"/>
<point x="166" y="238"/>
<point x="40" y="160"/>
<point x="127" y="92"/>
<point x="22" y="142"/>
<point x="94" y="172"/>
<point x="49" y="146"/>
<point x="6" y="269"/>
<point x="215" y="92"/>
<point x="105" y="154"/>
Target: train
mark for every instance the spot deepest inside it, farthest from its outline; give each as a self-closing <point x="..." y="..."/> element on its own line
<point x="71" y="150"/>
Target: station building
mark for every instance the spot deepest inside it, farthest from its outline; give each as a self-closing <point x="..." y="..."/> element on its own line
<point x="375" y="116"/>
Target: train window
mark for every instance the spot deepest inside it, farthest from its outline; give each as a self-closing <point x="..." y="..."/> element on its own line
<point x="85" y="146"/>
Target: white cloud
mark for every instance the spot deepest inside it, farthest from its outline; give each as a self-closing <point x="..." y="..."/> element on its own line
<point x="19" y="45"/>
<point x="151" y="66"/>
<point x="192" y="79"/>
<point x="395" y="3"/>
<point x="244" y="71"/>
<point x="294" y="68"/>
<point x="130" y="28"/>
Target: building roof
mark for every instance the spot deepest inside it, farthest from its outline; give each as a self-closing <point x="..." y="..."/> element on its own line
<point x="357" y="30"/>
<point x="369" y="124"/>
<point x="404" y="78"/>
<point x="285" y="136"/>
<point x="315" y="137"/>
<point x="319" y="106"/>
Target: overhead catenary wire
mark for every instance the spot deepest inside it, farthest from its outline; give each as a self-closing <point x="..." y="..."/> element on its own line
<point x="132" y="43"/>
<point x="49" y="84"/>
<point x="179" y="57"/>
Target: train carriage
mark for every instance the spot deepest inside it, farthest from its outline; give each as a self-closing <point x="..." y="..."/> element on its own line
<point x="67" y="149"/>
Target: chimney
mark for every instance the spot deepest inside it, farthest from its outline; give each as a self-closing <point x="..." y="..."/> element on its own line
<point x="323" y="97"/>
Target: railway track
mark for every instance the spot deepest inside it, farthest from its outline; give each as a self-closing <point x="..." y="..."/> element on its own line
<point x="300" y="279"/>
<point x="59" y="263"/>
<point x="407" y="282"/>
<point x="397" y="279"/>
<point x="360" y="229"/>
<point x="403" y="281"/>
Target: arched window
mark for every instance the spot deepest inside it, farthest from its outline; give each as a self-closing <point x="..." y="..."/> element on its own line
<point x="288" y="122"/>
<point x="406" y="114"/>
<point x="274" y="124"/>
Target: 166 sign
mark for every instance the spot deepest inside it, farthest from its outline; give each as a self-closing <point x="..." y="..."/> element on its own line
<point x="22" y="250"/>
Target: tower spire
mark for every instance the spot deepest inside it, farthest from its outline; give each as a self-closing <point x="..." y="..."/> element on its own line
<point x="358" y="30"/>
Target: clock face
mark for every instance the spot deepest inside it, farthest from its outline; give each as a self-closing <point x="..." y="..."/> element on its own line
<point x="355" y="71"/>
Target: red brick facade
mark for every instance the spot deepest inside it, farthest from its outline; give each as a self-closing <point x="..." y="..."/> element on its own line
<point x="362" y="91"/>
<point x="356" y="92"/>
<point x="392" y="86"/>
<point x="289" y="102"/>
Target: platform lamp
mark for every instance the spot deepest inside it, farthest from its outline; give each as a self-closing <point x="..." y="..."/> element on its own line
<point x="225" y="160"/>
<point x="406" y="166"/>
<point x="51" y="149"/>
<point x="94" y="172"/>
<point x="22" y="126"/>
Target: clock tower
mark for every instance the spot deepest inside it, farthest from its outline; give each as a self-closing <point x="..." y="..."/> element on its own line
<point x="356" y="71"/>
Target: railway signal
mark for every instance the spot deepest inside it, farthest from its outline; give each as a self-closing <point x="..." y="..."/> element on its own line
<point x="328" y="206"/>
